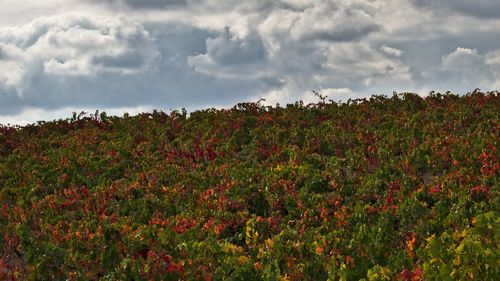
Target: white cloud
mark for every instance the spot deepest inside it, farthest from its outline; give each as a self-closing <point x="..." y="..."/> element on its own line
<point x="274" y="97"/>
<point x="493" y="62"/>
<point x="31" y="115"/>
<point x="481" y="9"/>
<point x="391" y="51"/>
<point x="493" y="58"/>
<point x="146" y="4"/>
<point x="195" y="53"/>
<point x="229" y="56"/>
<point x="462" y="70"/>
<point x="463" y="59"/>
<point x="467" y="66"/>
<point x="336" y="91"/>
<point x="360" y="63"/>
<point x="332" y="21"/>
<point x="69" y="45"/>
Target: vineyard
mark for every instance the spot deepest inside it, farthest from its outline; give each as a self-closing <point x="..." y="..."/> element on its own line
<point x="383" y="188"/>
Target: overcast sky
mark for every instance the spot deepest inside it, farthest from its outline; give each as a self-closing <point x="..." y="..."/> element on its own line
<point x="60" y="56"/>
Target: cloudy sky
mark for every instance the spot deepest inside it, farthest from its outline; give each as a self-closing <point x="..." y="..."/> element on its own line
<point x="61" y="56"/>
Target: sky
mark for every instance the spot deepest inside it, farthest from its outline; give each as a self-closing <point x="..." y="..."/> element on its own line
<point x="64" y="56"/>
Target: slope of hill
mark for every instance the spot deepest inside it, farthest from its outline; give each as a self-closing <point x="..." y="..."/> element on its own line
<point x="381" y="189"/>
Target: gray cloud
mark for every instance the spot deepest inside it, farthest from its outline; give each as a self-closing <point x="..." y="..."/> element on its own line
<point x="114" y="63"/>
<point x="69" y="49"/>
<point x="331" y="22"/>
<point x="145" y="4"/>
<point x="69" y="45"/>
<point x="176" y="40"/>
<point x="476" y="8"/>
<point x="229" y="56"/>
<point x="459" y="69"/>
<point x="172" y="54"/>
<point x="227" y="49"/>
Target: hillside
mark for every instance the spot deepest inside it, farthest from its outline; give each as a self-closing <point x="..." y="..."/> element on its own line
<point x="382" y="189"/>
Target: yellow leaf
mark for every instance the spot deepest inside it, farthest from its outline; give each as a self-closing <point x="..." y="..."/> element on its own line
<point x="284" y="277"/>
<point x="242" y="259"/>
<point x="431" y="238"/>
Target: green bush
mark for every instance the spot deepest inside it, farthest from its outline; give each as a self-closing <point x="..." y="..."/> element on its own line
<point x="373" y="189"/>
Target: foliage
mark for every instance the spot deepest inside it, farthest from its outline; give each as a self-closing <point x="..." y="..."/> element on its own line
<point x="375" y="189"/>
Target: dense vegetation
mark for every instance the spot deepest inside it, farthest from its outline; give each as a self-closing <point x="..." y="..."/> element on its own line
<point x="376" y="189"/>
